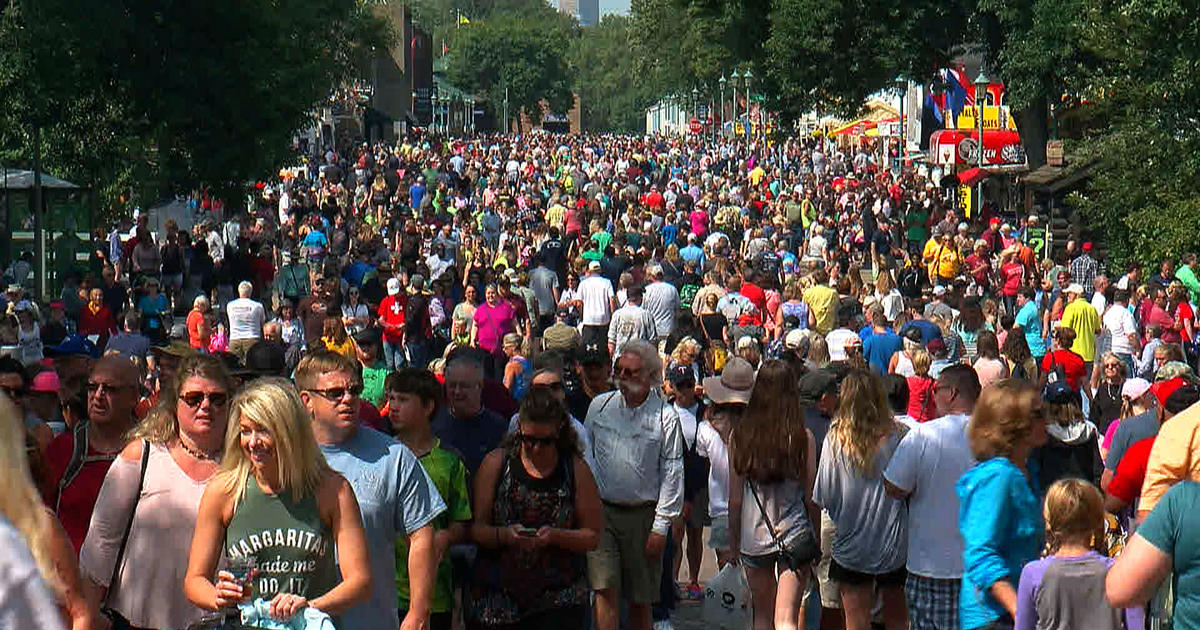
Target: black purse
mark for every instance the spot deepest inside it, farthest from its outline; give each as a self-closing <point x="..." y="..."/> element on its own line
<point x="118" y="620"/>
<point x="803" y="550"/>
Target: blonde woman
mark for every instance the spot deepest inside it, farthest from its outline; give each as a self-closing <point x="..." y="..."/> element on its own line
<point x="888" y="296"/>
<point x="870" y="546"/>
<point x="185" y="435"/>
<point x="273" y="477"/>
<point x="34" y="551"/>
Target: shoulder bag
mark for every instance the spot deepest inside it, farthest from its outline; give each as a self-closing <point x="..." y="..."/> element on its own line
<point x="803" y="550"/>
<point x="105" y="609"/>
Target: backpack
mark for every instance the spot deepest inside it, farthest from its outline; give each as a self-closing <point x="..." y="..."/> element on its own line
<point x="79" y="458"/>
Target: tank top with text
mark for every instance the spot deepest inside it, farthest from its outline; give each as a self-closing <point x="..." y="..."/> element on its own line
<point x="293" y="547"/>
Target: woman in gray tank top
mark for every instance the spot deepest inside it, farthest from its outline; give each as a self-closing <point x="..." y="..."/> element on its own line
<point x="275" y="500"/>
<point x="772" y="466"/>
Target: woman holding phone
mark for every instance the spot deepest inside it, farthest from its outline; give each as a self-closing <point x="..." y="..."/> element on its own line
<point x="537" y="513"/>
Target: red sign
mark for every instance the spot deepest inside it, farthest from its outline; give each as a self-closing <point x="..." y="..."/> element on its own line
<point x="694" y="125"/>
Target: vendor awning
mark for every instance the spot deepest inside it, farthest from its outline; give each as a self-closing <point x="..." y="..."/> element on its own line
<point x="972" y="176"/>
<point x="950" y="147"/>
<point x="854" y="128"/>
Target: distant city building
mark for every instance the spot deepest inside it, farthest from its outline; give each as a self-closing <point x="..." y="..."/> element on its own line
<point x="586" y="11"/>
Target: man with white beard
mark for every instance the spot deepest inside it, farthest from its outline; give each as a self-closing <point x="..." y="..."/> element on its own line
<point x="637" y="447"/>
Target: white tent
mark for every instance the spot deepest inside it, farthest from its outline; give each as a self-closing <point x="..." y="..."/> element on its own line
<point x="181" y="212"/>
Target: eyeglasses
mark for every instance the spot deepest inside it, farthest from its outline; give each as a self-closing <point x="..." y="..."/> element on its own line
<point x="194" y="399"/>
<point x="104" y="388"/>
<point x="621" y="372"/>
<point x="529" y="440"/>
<point x="1111" y="365"/>
<point x="334" y="394"/>
<point x="556" y="386"/>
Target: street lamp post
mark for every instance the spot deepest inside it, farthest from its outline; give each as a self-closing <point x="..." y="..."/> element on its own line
<point x="981" y="84"/>
<point x="902" y="86"/>
<point x="746" y="76"/>
<point x="721" y="103"/>
<point x="735" y="78"/>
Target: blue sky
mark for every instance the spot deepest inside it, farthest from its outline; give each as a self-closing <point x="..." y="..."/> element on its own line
<point x="614" y="6"/>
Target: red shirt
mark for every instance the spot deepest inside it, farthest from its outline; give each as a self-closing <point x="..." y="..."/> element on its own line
<point x="756" y="296"/>
<point x="391" y="309"/>
<point x="1070" y="363"/>
<point x="1013" y="274"/>
<point x="99" y="323"/>
<point x="920" y="398"/>
<point x="1127" y="481"/>
<point x="78" y="499"/>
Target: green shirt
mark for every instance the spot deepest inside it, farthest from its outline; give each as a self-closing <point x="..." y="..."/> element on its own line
<point x="602" y="239"/>
<point x="449" y="475"/>
<point x="372" y="380"/>
<point x="1173" y="529"/>
<point x="915" y="220"/>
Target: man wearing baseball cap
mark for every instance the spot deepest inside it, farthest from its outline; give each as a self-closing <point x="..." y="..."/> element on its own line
<point x="1173" y="456"/>
<point x="599" y="302"/>
<point x="1084" y="269"/>
<point x="391" y="320"/>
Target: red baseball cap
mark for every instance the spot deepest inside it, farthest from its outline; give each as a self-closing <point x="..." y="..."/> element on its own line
<point x="1162" y="390"/>
<point x="1087" y="247"/>
<point x="994" y="221"/>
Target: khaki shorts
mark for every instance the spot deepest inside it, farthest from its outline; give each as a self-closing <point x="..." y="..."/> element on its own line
<point x="619" y="562"/>
<point x="718" y="533"/>
<point x="831" y="595"/>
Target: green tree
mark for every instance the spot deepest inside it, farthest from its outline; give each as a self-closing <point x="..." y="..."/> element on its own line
<point x="519" y="55"/>
<point x="600" y="57"/>
<point x="203" y="94"/>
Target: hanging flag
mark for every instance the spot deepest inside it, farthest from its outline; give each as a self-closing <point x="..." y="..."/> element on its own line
<point x="445" y="49"/>
<point x="462" y="20"/>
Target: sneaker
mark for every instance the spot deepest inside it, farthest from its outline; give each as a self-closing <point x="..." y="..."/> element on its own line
<point x="694" y="592"/>
<point x="663" y="624"/>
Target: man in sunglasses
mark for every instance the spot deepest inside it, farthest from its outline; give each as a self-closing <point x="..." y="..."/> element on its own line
<point x="78" y="471"/>
<point x="637" y="447"/>
<point x="396" y="496"/>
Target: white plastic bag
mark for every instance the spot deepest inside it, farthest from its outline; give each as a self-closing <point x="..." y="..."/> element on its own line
<point x="727" y="601"/>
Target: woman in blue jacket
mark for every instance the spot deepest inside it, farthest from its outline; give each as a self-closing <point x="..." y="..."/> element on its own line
<point x="999" y="515"/>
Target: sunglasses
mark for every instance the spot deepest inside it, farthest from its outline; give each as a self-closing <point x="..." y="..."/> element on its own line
<point x="103" y="388"/>
<point x="554" y="387"/>
<point x="621" y="372"/>
<point x="194" y="399"/>
<point x="529" y="440"/>
<point x="334" y="394"/>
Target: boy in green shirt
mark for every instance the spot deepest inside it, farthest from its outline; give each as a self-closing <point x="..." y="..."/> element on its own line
<point x="412" y="397"/>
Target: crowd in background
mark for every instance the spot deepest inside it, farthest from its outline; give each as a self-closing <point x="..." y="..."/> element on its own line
<point x="513" y="380"/>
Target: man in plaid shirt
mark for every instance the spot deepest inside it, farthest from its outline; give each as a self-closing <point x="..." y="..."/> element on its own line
<point x="1084" y="269"/>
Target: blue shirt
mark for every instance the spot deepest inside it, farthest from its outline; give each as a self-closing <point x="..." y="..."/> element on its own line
<point x="315" y="239"/>
<point x="879" y="347"/>
<point x="152" y="308"/>
<point x="929" y="330"/>
<point x="396" y="497"/>
<point x="693" y="253"/>
<point x="473" y="438"/>
<point x="1030" y="322"/>
<point x="416" y="193"/>
<point x="1001" y="524"/>
<point x="669" y="232"/>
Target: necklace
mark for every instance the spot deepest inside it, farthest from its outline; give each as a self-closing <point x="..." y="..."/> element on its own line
<point x="197" y="453"/>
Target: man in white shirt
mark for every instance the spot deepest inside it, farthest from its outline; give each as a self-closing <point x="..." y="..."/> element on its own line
<point x="599" y="302"/>
<point x="246" y="319"/>
<point x="630" y="322"/>
<point x="637" y="447"/>
<point x="925" y="468"/>
<point x="662" y="300"/>
<point x="1122" y="330"/>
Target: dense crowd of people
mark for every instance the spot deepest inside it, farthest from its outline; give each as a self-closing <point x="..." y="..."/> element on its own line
<point x="508" y="383"/>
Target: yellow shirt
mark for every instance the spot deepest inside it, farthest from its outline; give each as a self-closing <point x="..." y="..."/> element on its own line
<point x="345" y="348"/>
<point x="1172" y="458"/>
<point x="949" y="261"/>
<point x="929" y="256"/>
<point x="555" y="215"/>
<point x="1081" y="317"/>
<point x="823" y="302"/>
<point x="756" y="175"/>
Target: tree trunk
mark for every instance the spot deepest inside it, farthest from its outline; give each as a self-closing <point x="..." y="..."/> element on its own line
<point x="1032" y="123"/>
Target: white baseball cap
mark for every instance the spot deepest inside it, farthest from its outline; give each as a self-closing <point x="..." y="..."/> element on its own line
<point x="393" y="286"/>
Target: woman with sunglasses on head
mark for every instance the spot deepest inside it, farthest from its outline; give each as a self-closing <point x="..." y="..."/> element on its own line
<point x="182" y="441"/>
<point x="355" y="314"/>
<point x="536" y="513"/>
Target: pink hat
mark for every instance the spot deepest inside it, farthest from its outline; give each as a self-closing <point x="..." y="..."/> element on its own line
<point x="45" y="381"/>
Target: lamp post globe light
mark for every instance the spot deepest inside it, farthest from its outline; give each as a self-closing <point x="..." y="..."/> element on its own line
<point x="721" y="102"/>
<point x="746" y="77"/>
<point x="735" y="78"/>
<point x="981" y="84"/>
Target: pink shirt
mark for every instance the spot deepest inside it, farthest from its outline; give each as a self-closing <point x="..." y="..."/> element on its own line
<point x="493" y="322"/>
<point x="699" y="219"/>
<point x="149" y="589"/>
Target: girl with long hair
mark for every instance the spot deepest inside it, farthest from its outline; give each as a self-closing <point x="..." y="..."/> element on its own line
<point x="988" y="364"/>
<point x="274" y="477"/>
<point x="335" y="339"/>
<point x="1020" y="362"/>
<point x="772" y="468"/>
<point x="870" y="546"/>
